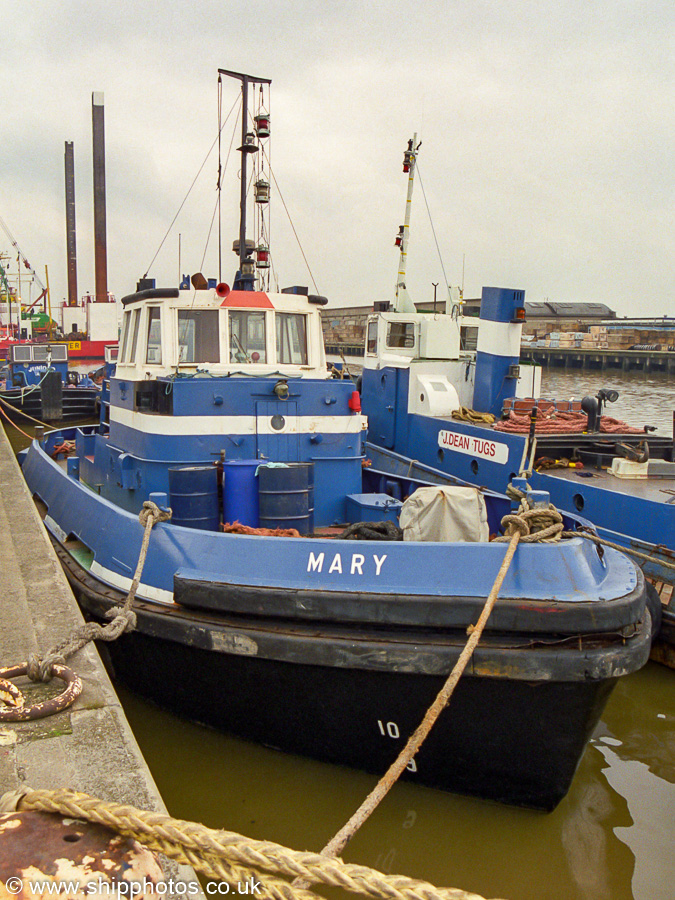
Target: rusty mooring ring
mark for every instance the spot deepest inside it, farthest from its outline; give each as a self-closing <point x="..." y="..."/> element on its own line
<point x="10" y="694"/>
<point x="47" y="707"/>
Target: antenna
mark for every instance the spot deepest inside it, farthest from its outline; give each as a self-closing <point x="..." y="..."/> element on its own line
<point x="403" y="302"/>
<point x="246" y="274"/>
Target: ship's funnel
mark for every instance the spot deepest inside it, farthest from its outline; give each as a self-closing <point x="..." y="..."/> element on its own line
<point x="502" y="313"/>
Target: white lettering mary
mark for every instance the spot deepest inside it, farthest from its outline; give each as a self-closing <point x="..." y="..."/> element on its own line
<point x="353" y="566"/>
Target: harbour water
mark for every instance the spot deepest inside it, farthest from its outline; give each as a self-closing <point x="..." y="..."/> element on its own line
<point x="609" y="839"/>
<point x="644" y="398"/>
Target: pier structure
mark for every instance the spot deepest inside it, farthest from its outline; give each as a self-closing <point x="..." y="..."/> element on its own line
<point x="88" y="747"/>
<point x="626" y="345"/>
<point x="600" y="359"/>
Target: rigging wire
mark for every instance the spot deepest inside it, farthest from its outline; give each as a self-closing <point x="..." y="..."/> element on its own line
<point x="281" y="196"/>
<point x="220" y="176"/>
<point x="189" y="189"/>
<point x="433" y="230"/>
<point x="22" y="256"/>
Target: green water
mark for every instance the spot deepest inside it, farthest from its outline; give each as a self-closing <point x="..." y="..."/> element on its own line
<point x="609" y="839"/>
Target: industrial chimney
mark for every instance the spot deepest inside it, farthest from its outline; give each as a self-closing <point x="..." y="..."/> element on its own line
<point x="70" y="224"/>
<point x="100" y="251"/>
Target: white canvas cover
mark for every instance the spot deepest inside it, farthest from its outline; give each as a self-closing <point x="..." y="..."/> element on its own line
<point x="439" y="513"/>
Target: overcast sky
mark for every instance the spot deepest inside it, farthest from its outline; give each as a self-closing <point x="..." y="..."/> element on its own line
<point x="547" y="128"/>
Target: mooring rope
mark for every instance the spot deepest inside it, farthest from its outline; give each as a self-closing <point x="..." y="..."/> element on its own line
<point x="517" y="494"/>
<point x="519" y="527"/>
<point x="627" y="550"/>
<point x="226" y="855"/>
<point x="18" y="410"/>
<point x="123" y="618"/>
<point x="13" y="424"/>
<point x="464" y="414"/>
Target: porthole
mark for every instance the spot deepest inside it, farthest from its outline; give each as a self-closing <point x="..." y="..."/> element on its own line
<point x="277" y="422"/>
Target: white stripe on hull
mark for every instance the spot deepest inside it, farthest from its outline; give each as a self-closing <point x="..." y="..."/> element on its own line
<point x="144" y="592"/>
<point x="214" y="425"/>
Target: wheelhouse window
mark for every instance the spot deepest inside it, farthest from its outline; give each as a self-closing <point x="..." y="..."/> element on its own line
<point x="153" y="354"/>
<point x="247" y="336"/>
<point x="371" y="340"/>
<point x="198" y="336"/>
<point x="135" y="322"/>
<point x="291" y="338"/>
<point x="125" y="334"/>
<point x="401" y="335"/>
<point x="55" y="352"/>
<point x="21" y="354"/>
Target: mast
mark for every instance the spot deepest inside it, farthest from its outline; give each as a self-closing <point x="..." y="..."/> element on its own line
<point x="5" y="291"/>
<point x="403" y="302"/>
<point x="245" y="277"/>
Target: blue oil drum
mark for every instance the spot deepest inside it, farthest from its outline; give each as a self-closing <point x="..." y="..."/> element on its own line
<point x="240" y="492"/>
<point x="286" y="496"/>
<point x="193" y="497"/>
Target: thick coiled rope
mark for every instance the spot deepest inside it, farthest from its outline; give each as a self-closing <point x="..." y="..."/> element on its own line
<point x="227" y="856"/>
<point x="464" y="414"/>
<point x="517" y="494"/>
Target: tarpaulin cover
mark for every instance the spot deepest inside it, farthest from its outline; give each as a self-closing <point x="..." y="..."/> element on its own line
<point x="445" y="514"/>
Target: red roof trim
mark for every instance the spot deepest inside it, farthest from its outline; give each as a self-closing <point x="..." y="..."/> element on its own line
<point x="248" y="299"/>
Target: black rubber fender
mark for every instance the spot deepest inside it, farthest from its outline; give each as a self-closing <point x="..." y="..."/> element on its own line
<point x="655" y="609"/>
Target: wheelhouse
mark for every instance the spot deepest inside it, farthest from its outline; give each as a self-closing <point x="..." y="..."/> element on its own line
<point x="244" y="333"/>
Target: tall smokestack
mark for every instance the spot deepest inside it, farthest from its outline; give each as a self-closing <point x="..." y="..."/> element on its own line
<point x="70" y="224"/>
<point x="100" y="252"/>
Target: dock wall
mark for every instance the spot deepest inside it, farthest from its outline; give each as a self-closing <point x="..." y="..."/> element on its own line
<point x="88" y="747"/>
<point x="601" y="360"/>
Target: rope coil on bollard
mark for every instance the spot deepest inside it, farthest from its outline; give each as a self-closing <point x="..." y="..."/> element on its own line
<point x="226" y="855"/>
<point x="517" y="494"/>
<point x="53" y="663"/>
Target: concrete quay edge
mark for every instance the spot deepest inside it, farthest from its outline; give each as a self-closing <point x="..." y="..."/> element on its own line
<point x="90" y="746"/>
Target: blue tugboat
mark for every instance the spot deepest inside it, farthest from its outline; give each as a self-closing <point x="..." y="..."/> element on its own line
<point x="255" y="611"/>
<point x="444" y="413"/>
<point x="39" y="383"/>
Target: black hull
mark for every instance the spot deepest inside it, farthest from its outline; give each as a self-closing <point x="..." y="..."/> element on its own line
<point x="500" y="740"/>
<point x="75" y="404"/>
<point x="516" y="740"/>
